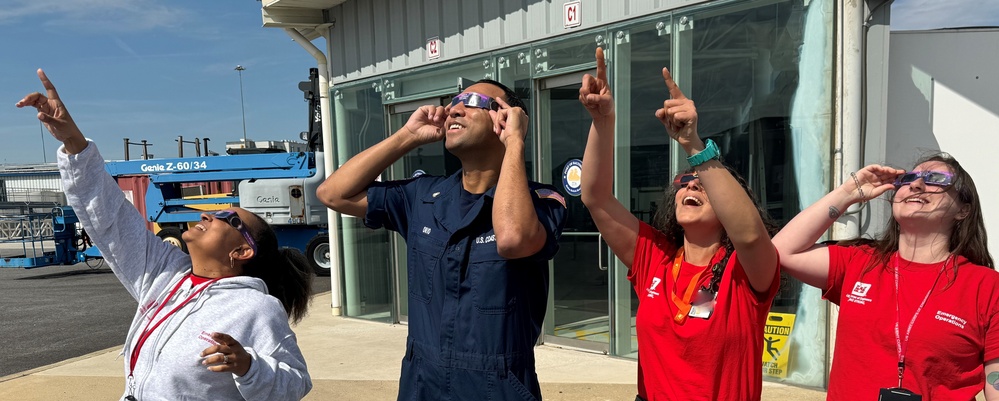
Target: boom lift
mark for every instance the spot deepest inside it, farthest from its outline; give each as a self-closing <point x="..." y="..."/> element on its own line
<point x="279" y="187"/>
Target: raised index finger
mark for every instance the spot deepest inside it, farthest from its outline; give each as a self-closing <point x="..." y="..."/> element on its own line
<point x="674" y="90"/>
<point x="601" y="65"/>
<point x="49" y="88"/>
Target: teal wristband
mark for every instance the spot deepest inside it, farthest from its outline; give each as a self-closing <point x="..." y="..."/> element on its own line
<point x="710" y="152"/>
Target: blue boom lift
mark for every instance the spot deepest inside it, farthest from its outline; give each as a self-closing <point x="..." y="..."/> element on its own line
<point x="279" y="187"/>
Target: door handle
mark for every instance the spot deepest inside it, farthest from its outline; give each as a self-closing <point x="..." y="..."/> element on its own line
<point x="600" y="253"/>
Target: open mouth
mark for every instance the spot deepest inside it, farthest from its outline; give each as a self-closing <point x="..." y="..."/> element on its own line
<point x="915" y="199"/>
<point x="692" y="201"/>
<point x="201" y="227"/>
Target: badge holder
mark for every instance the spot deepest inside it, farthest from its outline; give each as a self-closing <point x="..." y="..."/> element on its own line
<point x="898" y="394"/>
<point x="703" y="305"/>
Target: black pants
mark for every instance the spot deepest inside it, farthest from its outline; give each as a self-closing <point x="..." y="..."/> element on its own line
<point x="639" y="398"/>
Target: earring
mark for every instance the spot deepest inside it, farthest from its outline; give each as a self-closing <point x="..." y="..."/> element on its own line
<point x="232" y="263"/>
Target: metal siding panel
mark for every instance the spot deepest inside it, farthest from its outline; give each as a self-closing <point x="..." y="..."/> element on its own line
<point x="432" y="26"/>
<point x="414" y="33"/>
<point x="335" y="47"/>
<point x="383" y="35"/>
<point x="454" y="41"/>
<point x="366" y="37"/>
<point x="516" y="31"/>
<point x="554" y="22"/>
<point x="612" y="10"/>
<point x="492" y="25"/>
<point x="351" y="32"/>
<point x="538" y="20"/>
<point x="642" y="7"/>
<point x="471" y="16"/>
<point x="397" y="34"/>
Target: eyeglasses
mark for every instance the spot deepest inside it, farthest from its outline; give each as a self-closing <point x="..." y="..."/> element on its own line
<point x="934" y="178"/>
<point x="681" y="180"/>
<point x="472" y="99"/>
<point x="233" y="219"/>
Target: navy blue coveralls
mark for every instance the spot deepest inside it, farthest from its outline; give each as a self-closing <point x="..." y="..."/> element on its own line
<point x="474" y="317"/>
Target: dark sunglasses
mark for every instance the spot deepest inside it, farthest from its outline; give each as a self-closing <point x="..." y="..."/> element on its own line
<point x="472" y="99"/>
<point x="934" y="178"/>
<point x="233" y="219"/>
<point x="681" y="180"/>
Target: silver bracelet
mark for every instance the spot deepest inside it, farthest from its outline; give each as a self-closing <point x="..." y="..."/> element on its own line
<point x="860" y="191"/>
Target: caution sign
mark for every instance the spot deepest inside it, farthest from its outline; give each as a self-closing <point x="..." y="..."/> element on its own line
<point x="777" y="344"/>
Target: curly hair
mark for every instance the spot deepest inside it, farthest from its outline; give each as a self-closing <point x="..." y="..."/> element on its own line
<point x="665" y="221"/>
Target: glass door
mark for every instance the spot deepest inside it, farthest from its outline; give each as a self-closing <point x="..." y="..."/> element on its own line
<point x="578" y="313"/>
<point x="430" y="159"/>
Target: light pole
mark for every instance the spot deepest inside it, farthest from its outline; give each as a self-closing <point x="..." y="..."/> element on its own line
<point x="239" y="69"/>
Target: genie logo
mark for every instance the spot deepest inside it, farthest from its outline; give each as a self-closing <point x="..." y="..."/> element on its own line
<point x="268" y="199"/>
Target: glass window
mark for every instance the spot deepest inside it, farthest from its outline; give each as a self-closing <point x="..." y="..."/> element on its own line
<point x="745" y="67"/>
<point x="367" y="279"/>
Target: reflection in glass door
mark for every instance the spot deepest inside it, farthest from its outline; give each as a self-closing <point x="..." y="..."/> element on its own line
<point x="430" y="159"/>
<point x="579" y="313"/>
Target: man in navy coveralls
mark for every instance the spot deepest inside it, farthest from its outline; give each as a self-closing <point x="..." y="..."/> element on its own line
<point x="479" y="244"/>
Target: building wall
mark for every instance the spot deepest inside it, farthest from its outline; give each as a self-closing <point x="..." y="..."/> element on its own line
<point x="380" y="36"/>
<point x="943" y="94"/>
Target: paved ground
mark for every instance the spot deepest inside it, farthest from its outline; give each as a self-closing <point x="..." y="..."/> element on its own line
<point x="331" y="347"/>
<point x="54" y="313"/>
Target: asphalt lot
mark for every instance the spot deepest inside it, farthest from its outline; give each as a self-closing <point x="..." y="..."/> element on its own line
<point x="54" y="313"/>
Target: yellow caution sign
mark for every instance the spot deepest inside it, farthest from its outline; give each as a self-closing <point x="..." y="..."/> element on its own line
<point x="777" y="344"/>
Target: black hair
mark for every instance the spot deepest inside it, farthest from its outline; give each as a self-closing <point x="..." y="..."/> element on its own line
<point x="665" y="221"/>
<point x="286" y="271"/>
<point x="511" y="96"/>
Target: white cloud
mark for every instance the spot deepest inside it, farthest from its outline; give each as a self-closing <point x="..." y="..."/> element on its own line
<point x="934" y="14"/>
<point x="94" y="15"/>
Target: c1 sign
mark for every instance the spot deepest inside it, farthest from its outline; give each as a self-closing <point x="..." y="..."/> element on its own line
<point x="571" y="17"/>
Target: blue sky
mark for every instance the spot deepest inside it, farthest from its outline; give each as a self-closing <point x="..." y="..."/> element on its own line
<point x="147" y="69"/>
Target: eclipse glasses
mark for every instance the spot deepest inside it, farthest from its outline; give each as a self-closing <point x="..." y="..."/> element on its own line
<point x="476" y="100"/>
<point x="230" y="216"/>
<point x="681" y="180"/>
<point x="935" y="178"/>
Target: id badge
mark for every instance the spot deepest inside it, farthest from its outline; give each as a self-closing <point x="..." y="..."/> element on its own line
<point x="703" y="306"/>
<point x="898" y="394"/>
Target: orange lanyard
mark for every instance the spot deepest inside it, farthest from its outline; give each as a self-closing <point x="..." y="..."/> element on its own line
<point x="682" y="304"/>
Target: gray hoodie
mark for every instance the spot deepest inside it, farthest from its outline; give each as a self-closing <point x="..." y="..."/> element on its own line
<point x="169" y="364"/>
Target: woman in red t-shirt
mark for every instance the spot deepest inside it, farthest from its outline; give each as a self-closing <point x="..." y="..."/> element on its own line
<point x="919" y="305"/>
<point x="706" y="272"/>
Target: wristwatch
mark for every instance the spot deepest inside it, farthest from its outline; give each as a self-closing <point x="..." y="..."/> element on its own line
<point x="710" y="152"/>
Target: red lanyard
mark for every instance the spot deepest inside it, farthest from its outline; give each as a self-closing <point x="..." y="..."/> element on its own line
<point x="683" y="303"/>
<point x="147" y="331"/>
<point x="901" y="347"/>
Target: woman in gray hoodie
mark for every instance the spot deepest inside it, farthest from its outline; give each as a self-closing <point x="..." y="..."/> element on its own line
<point x="210" y="325"/>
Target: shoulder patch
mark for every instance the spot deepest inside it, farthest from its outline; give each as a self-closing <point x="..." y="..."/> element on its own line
<point x="545" y="193"/>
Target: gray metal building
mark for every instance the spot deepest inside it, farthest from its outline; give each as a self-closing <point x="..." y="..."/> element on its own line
<point x="781" y="85"/>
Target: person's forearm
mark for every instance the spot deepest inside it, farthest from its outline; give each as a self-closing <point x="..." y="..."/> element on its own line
<point x="804" y="229"/>
<point x="734" y="208"/>
<point x="598" y="163"/>
<point x="361" y="170"/>
<point x="515" y="222"/>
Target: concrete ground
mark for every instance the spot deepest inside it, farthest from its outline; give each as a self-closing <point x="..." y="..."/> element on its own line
<point x="332" y="346"/>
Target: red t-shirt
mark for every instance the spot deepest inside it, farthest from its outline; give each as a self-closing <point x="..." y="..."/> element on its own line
<point x="719" y="358"/>
<point x="953" y="336"/>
